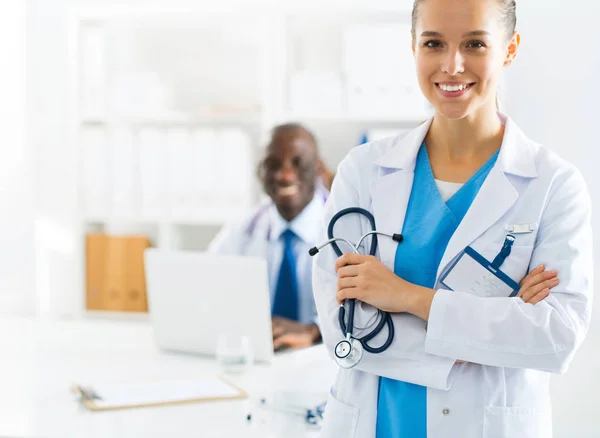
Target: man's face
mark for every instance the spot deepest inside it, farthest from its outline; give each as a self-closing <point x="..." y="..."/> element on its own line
<point x="288" y="171"/>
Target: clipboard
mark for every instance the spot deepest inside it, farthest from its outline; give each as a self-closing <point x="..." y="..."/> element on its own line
<point x="157" y="393"/>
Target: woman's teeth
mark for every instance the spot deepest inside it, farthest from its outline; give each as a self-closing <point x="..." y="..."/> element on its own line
<point x="453" y="87"/>
<point x="288" y="191"/>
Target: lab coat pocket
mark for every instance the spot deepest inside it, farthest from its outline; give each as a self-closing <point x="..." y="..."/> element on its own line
<point x="516" y="265"/>
<point x="339" y="419"/>
<point x="500" y="422"/>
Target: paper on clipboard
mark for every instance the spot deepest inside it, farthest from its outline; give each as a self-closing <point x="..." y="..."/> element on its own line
<point x="133" y="395"/>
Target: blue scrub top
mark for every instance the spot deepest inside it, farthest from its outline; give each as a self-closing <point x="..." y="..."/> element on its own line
<point x="429" y="224"/>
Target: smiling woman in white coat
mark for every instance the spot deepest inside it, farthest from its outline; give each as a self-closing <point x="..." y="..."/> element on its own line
<point x="465" y="361"/>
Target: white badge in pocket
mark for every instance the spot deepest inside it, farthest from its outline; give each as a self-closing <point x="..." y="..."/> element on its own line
<point x="474" y="274"/>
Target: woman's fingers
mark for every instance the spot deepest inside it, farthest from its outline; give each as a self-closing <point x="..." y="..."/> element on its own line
<point x="539" y="297"/>
<point x="535" y="279"/>
<point x="537" y="270"/>
<point x="349" y="259"/>
<point x="345" y="282"/>
<point x="346" y="294"/>
<point x="531" y="292"/>
<point x="538" y="278"/>
<point x="346" y="259"/>
<point x="348" y="271"/>
<point x="537" y="284"/>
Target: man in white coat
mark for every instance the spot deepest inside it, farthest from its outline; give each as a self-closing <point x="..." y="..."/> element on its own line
<point x="282" y="230"/>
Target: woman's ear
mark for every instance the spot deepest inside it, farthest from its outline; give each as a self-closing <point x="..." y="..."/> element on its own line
<point x="512" y="49"/>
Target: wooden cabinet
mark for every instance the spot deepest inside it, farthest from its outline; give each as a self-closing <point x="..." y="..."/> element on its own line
<point x="115" y="277"/>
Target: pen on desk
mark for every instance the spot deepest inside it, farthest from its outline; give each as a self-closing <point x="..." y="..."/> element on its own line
<point x="85" y="393"/>
<point x="310" y="415"/>
<point x="262" y="404"/>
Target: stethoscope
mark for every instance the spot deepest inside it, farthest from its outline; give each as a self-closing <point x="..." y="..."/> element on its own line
<point x="312" y="416"/>
<point x="349" y="351"/>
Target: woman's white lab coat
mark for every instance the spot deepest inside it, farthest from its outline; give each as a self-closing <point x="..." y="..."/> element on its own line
<point x="511" y="347"/>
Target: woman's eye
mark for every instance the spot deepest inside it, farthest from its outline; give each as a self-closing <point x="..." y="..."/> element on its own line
<point x="432" y="44"/>
<point x="476" y="45"/>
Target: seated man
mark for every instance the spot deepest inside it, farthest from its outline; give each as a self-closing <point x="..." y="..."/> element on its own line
<point x="282" y="230"/>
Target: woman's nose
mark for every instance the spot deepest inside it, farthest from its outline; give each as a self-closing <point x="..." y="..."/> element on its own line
<point x="453" y="63"/>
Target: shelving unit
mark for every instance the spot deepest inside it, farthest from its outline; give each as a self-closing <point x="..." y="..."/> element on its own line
<point x="162" y="81"/>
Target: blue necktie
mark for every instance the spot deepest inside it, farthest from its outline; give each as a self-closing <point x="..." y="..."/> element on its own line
<point x="285" y="303"/>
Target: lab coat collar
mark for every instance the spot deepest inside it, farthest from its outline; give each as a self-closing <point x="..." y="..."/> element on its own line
<point x="403" y="152"/>
<point x="305" y="225"/>
<point x="517" y="154"/>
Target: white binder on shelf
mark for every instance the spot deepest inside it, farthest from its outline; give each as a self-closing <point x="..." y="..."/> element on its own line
<point x="316" y="93"/>
<point x="179" y="168"/>
<point x="207" y="173"/>
<point x="381" y="79"/>
<point x="189" y="158"/>
<point x="95" y="176"/>
<point x="236" y="148"/>
<point x="93" y="71"/>
<point x="125" y="189"/>
<point x="151" y="151"/>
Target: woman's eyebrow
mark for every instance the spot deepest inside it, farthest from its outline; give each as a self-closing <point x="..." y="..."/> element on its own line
<point x="431" y="33"/>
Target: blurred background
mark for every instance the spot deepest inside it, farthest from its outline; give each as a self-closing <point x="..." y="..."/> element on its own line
<point x="146" y="119"/>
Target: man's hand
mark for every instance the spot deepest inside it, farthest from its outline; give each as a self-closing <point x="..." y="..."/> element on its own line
<point x="288" y="333"/>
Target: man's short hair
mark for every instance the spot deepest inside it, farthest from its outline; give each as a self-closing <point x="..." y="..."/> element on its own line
<point x="293" y="126"/>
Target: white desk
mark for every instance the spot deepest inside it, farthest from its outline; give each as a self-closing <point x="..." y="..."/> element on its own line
<point x="40" y="360"/>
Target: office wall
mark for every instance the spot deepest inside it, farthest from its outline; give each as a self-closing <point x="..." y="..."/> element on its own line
<point x="58" y="271"/>
<point x="16" y="169"/>
<point x="553" y="94"/>
<point x="56" y="195"/>
<point x="58" y="274"/>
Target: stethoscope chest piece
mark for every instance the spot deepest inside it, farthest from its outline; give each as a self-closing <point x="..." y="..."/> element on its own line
<point x="348" y="353"/>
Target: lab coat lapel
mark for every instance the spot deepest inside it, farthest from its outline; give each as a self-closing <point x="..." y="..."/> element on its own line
<point x="390" y="195"/>
<point x="391" y="190"/>
<point x="494" y="199"/>
<point x="497" y="194"/>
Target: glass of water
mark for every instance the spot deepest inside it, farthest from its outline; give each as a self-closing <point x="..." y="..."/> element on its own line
<point x="234" y="353"/>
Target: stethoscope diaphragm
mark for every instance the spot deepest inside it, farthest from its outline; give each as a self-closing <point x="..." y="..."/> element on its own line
<point x="348" y="353"/>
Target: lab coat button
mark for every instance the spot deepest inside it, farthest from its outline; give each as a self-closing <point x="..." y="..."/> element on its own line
<point x="446" y="411"/>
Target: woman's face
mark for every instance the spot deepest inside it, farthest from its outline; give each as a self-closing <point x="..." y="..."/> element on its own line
<point x="460" y="48"/>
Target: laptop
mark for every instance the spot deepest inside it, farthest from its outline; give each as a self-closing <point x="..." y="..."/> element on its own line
<point x="193" y="297"/>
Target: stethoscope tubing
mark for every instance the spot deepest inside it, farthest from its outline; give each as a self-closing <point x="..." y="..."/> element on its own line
<point x="347" y="329"/>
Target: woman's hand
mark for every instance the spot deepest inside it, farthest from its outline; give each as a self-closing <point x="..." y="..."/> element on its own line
<point x="537" y="284"/>
<point x="368" y="280"/>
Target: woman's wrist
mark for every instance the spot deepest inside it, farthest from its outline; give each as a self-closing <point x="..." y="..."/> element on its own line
<point x="419" y="300"/>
